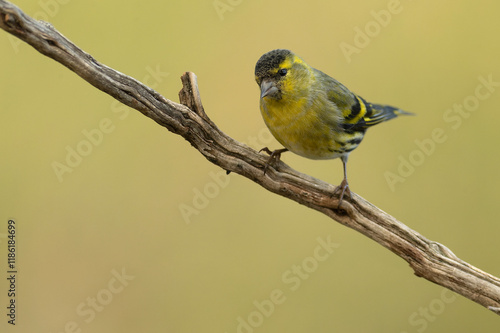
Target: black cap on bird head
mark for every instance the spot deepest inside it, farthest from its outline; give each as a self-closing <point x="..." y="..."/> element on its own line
<point x="267" y="75"/>
<point x="270" y="60"/>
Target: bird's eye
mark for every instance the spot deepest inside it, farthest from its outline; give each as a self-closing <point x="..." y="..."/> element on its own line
<point x="282" y="71"/>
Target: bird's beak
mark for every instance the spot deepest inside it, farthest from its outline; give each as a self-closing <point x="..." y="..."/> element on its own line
<point x="267" y="88"/>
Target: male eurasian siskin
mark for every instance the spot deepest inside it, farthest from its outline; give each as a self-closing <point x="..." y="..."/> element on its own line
<point x="311" y="113"/>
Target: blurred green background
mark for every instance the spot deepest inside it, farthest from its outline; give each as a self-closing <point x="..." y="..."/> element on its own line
<point x="200" y="252"/>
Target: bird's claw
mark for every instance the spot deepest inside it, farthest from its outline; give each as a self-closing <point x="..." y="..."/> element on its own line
<point x="344" y="189"/>
<point x="274" y="157"/>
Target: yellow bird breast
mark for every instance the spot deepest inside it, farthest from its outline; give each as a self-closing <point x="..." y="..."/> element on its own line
<point x="307" y="129"/>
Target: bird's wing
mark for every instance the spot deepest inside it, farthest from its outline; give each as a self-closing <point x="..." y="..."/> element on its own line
<point x="357" y="113"/>
<point x="337" y="93"/>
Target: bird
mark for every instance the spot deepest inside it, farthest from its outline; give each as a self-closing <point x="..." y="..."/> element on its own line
<point x="311" y="114"/>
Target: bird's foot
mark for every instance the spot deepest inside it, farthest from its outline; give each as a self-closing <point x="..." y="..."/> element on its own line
<point x="274" y="156"/>
<point x="343" y="188"/>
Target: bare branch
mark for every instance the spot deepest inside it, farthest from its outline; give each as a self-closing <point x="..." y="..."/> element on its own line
<point x="428" y="259"/>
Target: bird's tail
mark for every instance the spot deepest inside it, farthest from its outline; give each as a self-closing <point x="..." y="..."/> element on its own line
<point x="378" y="113"/>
